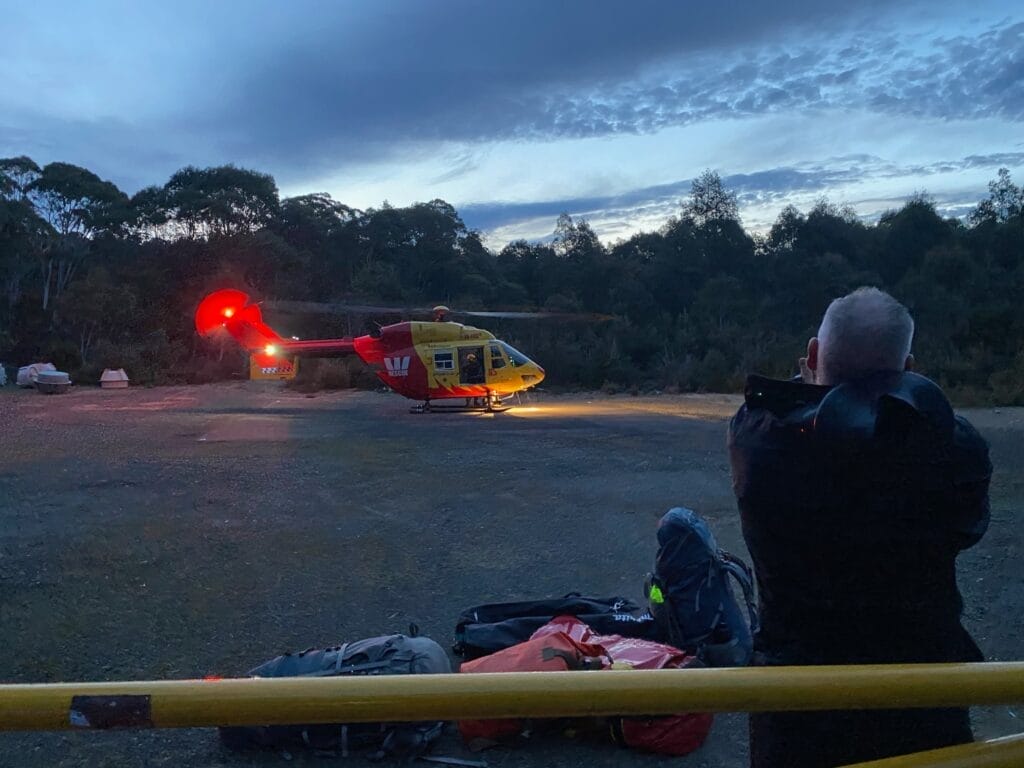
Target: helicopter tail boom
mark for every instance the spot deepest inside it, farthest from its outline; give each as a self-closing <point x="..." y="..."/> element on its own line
<point x="319" y="347"/>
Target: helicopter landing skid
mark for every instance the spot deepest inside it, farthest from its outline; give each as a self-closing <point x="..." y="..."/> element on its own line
<point x="472" y="405"/>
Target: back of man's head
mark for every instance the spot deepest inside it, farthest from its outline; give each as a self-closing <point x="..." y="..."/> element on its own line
<point x="862" y="333"/>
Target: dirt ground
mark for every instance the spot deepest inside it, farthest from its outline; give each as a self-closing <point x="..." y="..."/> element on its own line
<point x="189" y="531"/>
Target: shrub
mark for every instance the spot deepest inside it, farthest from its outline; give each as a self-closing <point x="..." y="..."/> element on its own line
<point x="332" y="374"/>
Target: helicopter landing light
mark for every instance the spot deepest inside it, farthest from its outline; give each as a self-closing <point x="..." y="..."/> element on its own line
<point x="229" y="312"/>
<point x="271" y="350"/>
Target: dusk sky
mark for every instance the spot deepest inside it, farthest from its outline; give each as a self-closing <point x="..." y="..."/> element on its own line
<point x="516" y="112"/>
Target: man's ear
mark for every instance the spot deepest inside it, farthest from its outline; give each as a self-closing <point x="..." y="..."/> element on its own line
<point x="909" y="365"/>
<point x="812" y="354"/>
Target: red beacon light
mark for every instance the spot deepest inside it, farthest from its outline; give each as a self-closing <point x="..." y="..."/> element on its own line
<point x="218" y="308"/>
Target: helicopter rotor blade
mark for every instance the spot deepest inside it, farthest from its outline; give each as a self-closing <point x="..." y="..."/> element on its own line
<point x="333" y="308"/>
<point x="337" y="308"/>
<point x="534" y="315"/>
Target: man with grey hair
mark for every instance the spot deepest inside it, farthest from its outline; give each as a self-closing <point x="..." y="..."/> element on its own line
<point x="863" y="332"/>
<point x="857" y="487"/>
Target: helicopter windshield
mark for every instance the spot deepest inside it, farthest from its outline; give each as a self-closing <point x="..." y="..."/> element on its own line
<point x="516" y="357"/>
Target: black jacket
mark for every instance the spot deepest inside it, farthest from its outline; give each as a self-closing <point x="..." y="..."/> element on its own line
<point x="855" y="501"/>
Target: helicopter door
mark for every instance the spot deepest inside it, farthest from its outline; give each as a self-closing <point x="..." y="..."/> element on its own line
<point x="471" y="365"/>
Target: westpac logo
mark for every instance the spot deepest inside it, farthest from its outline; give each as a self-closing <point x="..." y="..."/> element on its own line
<point x="397" y="366"/>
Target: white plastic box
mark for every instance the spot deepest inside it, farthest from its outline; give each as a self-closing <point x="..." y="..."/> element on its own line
<point x="114" y="379"/>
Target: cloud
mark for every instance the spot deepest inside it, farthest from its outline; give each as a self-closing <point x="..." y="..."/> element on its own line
<point x="465" y="164"/>
<point x="418" y="73"/>
<point x="761" y="194"/>
<point x="967" y="78"/>
<point x="310" y="90"/>
<point x="760" y="186"/>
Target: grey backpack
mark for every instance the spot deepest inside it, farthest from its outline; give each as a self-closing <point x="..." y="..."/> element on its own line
<point x="386" y="655"/>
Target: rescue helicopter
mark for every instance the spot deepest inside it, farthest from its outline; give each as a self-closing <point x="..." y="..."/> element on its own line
<point x="427" y="361"/>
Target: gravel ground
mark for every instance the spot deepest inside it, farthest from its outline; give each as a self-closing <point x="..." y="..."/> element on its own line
<point x="187" y="531"/>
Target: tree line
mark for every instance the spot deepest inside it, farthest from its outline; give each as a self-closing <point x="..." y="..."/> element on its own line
<point x="95" y="278"/>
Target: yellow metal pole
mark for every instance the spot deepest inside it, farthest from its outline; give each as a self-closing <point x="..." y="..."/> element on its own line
<point x="1007" y="752"/>
<point x="197" y="703"/>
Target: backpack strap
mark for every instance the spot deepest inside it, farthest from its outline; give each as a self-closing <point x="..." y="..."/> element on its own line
<point x="740" y="571"/>
<point x="452" y="761"/>
<point x="340" y="668"/>
<point x="407" y="740"/>
<point x="357" y="669"/>
<point x="341" y="656"/>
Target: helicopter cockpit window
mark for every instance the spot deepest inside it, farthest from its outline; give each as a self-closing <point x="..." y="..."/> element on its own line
<point x="444" y="361"/>
<point x="516" y="357"/>
<point x="497" y="359"/>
